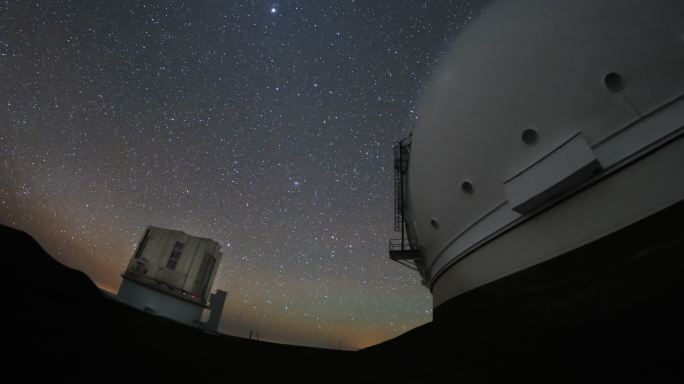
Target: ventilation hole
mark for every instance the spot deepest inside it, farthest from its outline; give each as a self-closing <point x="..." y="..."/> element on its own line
<point x="614" y="82"/>
<point x="434" y="223"/>
<point x="529" y="136"/>
<point x="467" y="187"/>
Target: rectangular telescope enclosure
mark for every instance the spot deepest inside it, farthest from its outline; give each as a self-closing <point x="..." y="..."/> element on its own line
<point x="171" y="274"/>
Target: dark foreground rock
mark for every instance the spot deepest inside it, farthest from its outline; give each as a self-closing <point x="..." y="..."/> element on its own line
<point x="614" y="321"/>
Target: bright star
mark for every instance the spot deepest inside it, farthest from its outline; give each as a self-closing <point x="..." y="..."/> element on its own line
<point x="273" y="10"/>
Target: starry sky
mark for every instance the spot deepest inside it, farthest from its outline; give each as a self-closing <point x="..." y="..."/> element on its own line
<point x="267" y="126"/>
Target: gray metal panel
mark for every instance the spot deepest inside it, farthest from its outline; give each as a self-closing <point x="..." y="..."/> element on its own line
<point x="563" y="168"/>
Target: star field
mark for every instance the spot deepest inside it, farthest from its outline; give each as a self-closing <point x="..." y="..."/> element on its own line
<point x="265" y="126"/>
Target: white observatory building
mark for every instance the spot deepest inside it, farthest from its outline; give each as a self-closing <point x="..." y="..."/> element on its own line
<point x="549" y="126"/>
<point x="171" y="275"/>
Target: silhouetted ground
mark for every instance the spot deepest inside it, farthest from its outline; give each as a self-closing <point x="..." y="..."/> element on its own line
<point x="608" y="312"/>
<point x="62" y="325"/>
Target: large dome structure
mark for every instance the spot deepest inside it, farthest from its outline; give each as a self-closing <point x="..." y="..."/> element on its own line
<point x="548" y="126"/>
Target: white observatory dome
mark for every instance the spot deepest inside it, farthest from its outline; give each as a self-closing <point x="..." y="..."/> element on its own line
<point x="544" y="130"/>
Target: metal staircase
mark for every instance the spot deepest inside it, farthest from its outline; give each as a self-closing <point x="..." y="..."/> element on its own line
<point x="403" y="250"/>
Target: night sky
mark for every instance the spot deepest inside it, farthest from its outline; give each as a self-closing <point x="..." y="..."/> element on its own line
<point x="267" y="126"/>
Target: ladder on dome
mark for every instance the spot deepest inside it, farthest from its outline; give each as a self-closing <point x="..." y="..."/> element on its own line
<point x="403" y="250"/>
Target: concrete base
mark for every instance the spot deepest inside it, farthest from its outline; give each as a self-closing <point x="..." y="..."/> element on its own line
<point x="159" y="303"/>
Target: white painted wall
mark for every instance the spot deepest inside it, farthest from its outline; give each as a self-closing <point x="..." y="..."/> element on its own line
<point x="150" y="263"/>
